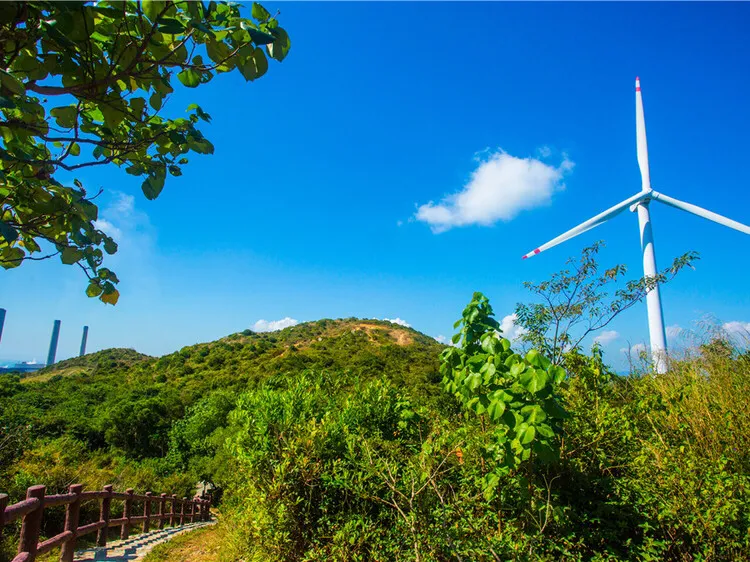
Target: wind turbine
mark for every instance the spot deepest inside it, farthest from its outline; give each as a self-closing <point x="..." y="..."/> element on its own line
<point x="640" y="202"/>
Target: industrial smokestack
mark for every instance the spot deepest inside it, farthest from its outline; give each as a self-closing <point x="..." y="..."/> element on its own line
<point x="2" y="322"/>
<point x="53" y="343"/>
<point x="83" y="341"/>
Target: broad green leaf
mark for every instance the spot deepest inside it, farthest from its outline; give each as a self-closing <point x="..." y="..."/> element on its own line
<point x="536" y="380"/>
<point x="152" y="8"/>
<point x="8" y="233"/>
<point x="152" y="187"/>
<point x="94" y="289"/>
<point x="280" y="46"/>
<point x="557" y="374"/>
<point x="496" y="409"/>
<point x="533" y="413"/>
<point x="217" y="51"/>
<point x="155" y="100"/>
<point x="526" y="434"/>
<point x="473" y="381"/>
<point x="110" y="246"/>
<point x="75" y="149"/>
<point x="11" y="83"/>
<point x="258" y="37"/>
<point x="110" y="298"/>
<point x="533" y="357"/>
<point x="189" y="78"/>
<point x="260" y="13"/>
<point x="69" y="256"/>
<point x="171" y="26"/>
<point x="64" y="116"/>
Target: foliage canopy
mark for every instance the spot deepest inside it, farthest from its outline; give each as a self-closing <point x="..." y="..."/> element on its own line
<point x="86" y="84"/>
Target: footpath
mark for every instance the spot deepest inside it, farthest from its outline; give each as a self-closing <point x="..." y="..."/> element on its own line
<point x="137" y="547"/>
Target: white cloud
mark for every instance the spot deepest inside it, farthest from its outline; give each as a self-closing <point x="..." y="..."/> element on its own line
<point x="441" y="339"/>
<point x="123" y="222"/>
<point x="108" y="228"/>
<point x="736" y="327"/>
<point x="398" y="321"/>
<point x="635" y="349"/>
<point x="273" y="325"/>
<point x="607" y="336"/>
<point x="510" y="329"/>
<point x="673" y="331"/>
<point x="500" y="187"/>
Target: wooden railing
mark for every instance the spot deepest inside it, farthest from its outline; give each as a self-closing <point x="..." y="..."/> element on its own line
<point x="32" y="509"/>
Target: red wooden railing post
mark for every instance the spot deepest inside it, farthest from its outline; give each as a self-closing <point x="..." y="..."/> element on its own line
<point x="173" y="513"/>
<point x="72" y="512"/>
<point x="162" y="502"/>
<point x="101" y="536"/>
<point x="147" y="512"/>
<point x="32" y="523"/>
<point x="182" y="511"/>
<point x="125" y="529"/>
<point x="192" y="510"/>
<point x="3" y="505"/>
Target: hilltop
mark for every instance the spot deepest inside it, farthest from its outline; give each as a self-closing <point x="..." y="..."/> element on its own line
<point x="127" y="401"/>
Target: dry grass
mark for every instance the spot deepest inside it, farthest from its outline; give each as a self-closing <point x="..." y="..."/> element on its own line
<point x="202" y="545"/>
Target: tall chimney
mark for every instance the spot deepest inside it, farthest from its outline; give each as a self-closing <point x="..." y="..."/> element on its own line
<point x="53" y="343"/>
<point x="2" y="322"/>
<point x="83" y="341"/>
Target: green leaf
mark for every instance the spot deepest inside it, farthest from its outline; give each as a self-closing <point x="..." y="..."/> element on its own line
<point x="189" y="78"/>
<point x="152" y="8"/>
<point x="534" y="358"/>
<point x="258" y="37"/>
<point x="217" y="51"/>
<point x="110" y="298"/>
<point x="94" y="289"/>
<point x="8" y="233"/>
<point x="110" y="246"/>
<point x="260" y="13"/>
<point x="534" y="380"/>
<point x="526" y="434"/>
<point x="496" y="409"/>
<point x="152" y="187"/>
<point x="155" y="100"/>
<point x="254" y="65"/>
<point x="280" y="46"/>
<point x="75" y="149"/>
<point x="137" y="105"/>
<point x="6" y="103"/>
<point x="170" y="26"/>
<point x="11" y="83"/>
<point x="64" y="116"/>
<point x="69" y="255"/>
<point x="533" y="413"/>
<point x="473" y="381"/>
<point x="557" y="374"/>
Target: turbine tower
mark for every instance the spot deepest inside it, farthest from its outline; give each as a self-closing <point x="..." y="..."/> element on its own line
<point x="640" y="203"/>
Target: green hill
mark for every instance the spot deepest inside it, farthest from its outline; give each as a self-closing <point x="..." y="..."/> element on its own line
<point x="121" y="399"/>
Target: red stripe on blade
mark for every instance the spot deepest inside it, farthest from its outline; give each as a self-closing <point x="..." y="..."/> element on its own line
<point x="537" y="251"/>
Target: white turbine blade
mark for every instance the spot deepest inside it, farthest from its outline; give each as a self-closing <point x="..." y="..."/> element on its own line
<point x="640" y="135"/>
<point x="699" y="211"/>
<point x="589" y="224"/>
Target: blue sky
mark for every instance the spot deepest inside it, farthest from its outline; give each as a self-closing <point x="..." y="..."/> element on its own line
<point x="308" y="209"/>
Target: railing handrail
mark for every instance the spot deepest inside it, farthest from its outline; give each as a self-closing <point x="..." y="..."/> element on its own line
<point x="31" y="511"/>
